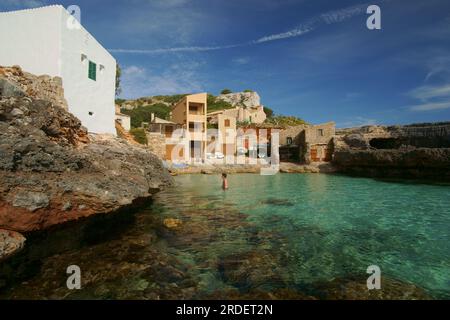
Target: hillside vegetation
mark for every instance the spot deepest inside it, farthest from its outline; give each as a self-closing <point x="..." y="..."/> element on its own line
<point x="140" y="110"/>
<point x="161" y="107"/>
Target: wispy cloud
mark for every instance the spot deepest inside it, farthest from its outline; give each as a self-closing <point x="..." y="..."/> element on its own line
<point x="179" y="77"/>
<point x="431" y="106"/>
<point x="241" y="60"/>
<point x="435" y="97"/>
<point x="357" y="122"/>
<point x="327" y="18"/>
<point x="430" y="92"/>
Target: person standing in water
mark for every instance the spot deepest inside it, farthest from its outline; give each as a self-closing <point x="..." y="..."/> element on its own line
<point x="224" y="181"/>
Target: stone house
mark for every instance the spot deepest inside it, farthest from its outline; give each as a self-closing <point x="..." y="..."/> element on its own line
<point x="123" y="119"/>
<point x="188" y="115"/>
<point x="49" y="41"/>
<point x="307" y="143"/>
<point x="250" y="115"/>
<point x="224" y="139"/>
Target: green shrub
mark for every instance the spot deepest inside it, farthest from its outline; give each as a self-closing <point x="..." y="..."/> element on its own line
<point x="170" y="99"/>
<point x="225" y="91"/>
<point x="215" y="104"/>
<point x="120" y="101"/>
<point x="285" y="121"/>
<point x="143" y="113"/>
<point x="269" y="112"/>
<point x="248" y="90"/>
<point x="139" y="135"/>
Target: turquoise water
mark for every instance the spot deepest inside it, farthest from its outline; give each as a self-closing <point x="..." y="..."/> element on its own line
<point x="284" y="236"/>
<point x="333" y="226"/>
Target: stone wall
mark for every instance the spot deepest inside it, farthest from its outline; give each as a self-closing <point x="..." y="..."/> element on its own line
<point x="37" y="87"/>
<point x="157" y="144"/>
<point x="291" y="132"/>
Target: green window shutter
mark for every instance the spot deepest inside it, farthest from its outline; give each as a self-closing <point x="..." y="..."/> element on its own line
<point x="92" y="71"/>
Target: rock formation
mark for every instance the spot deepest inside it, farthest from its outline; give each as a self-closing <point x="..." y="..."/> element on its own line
<point x="413" y="151"/>
<point x="241" y="99"/>
<point x="52" y="171"/>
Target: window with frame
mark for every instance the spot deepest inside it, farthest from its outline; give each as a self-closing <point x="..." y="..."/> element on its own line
<point x="320" y="132"/>
<point x="92" y="74"/>
<point x="289" y="140"/>
<point x="227" y="122"/>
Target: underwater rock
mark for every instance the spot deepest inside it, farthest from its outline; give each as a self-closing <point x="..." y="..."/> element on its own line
<point x="251" y="270"/>
<point x="278" y="202"/>
<point x="172" y="223"/>
<point x="356" y="289"/>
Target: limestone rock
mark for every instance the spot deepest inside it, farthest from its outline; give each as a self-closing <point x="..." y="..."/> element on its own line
<point x="10" y="243"/>
<point x="52" y="171"/>
<point x="413" y="151"/>
<point x="241" y="99"/>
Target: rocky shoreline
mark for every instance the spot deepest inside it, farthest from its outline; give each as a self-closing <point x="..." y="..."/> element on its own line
<point x="53" y="171"/>
<point x="285" y="167"/>
<point x="420" y="151"/>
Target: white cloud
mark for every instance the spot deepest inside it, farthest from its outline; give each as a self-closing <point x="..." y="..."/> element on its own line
<point x="178" y="78"/>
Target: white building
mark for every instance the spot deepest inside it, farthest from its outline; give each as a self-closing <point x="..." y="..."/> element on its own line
<point x="50" y="41"/>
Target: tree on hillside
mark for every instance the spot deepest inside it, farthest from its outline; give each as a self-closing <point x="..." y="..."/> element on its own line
<point x="269" y="112"/>
<point x="139" y="135"/>
<point x="248" y="90"/>
<point x="225" y="91"/>
<point x="118" y="75"/>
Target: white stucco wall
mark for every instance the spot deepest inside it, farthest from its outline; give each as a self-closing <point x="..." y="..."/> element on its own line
<point x="31" y="39"/>
<point x="83" y="94"/>
<point x="40" y="41"/>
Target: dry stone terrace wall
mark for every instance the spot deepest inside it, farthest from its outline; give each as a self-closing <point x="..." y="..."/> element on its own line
<point x="41" y="87"/>
<point x="157" y="144"/>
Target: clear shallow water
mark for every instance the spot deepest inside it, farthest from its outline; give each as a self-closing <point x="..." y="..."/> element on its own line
<point x="283" y="236"/>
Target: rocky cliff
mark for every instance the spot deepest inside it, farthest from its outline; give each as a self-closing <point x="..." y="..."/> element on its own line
<point x="413" y="151"/>
<point x="52" y="171"/>
<point x="241" y="99"/>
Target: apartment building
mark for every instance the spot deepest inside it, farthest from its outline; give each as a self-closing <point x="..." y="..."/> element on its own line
<point x="190" y="112"/>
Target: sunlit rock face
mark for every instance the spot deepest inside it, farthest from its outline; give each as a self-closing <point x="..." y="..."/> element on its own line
<point x="52" y="171"/>
<point x="242" y="99"/>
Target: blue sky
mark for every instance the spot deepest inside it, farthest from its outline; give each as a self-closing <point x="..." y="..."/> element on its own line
<point x="314" y="59"/>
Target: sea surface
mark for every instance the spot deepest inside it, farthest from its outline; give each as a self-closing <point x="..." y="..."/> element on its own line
<point x="288" y="236"/>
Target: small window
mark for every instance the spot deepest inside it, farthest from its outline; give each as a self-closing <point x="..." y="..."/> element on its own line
<point x="289" y="140"/>
<point x="91" y="113"/>
<point x="92" y="71"/>
<point x="227" y="122"/>
<point x="320" y="132"/>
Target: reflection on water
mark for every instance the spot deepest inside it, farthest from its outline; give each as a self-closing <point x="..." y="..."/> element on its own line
<point x="269" y="237"/>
